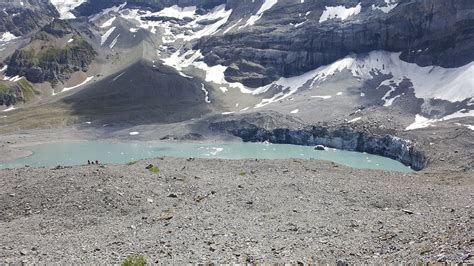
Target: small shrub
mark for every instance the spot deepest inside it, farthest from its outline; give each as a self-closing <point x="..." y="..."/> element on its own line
<point x="242" y="173"/>
<point x="132" y="163"/>
<point x="134" y="260"/>
<point x="155" y="169"/>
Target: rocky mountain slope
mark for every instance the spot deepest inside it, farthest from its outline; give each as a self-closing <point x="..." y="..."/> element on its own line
<point x="18" y="92"/>
<point x="293" y="38"/>
<point x="53" y="54"/>
<point x="22" y="17"/>
<point x="407" y="63"/>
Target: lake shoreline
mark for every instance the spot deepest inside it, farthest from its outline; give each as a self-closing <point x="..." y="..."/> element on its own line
<point x="73" y="153"/>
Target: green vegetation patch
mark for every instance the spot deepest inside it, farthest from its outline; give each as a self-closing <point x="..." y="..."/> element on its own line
<point x="154" y="169"/>
<point x="243" y="173"/>
<point x="28" y="91"/>
<point x="51" y="54"/>
<point x="134" y="260"/>
<point x="132" y="162"/>
<point x="4" y="88"/>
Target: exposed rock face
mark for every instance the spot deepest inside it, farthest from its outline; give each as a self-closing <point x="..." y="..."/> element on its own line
<point x="289" y="39"/>
<point x="286" y="130"/>
<point x="94" y="6"/>
<point x="20" y="19"/>
<point x="51" y="62"/>
<point x="20" y="92"/>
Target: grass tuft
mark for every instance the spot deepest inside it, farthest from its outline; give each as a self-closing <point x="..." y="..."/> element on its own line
<point x="155" y="169"/>
<point x="243" y="173"/>
<point x="134" y="260"/>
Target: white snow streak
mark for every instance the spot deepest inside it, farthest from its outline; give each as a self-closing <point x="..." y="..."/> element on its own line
<point x="423" y="122"/>
<point x="254" y="18"/>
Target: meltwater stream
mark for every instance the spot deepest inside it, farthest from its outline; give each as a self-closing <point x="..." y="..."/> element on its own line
<point x="77" y="153"/>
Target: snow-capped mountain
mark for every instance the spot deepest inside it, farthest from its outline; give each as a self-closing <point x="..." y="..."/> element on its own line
<point x="285" y="55"/>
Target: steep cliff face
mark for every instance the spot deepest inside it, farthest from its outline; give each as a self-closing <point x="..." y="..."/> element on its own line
<point x="292" y="37"/>
<point x="53" y="55"/>
<point x="276" y="128"/>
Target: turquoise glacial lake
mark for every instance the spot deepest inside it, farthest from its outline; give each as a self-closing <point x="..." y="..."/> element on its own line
<point x="77" y="153"/>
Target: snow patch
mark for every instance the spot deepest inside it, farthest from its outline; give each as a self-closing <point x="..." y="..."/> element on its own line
<point x="423" y="122"/>
<point x="11" y="108"/>
<point x="65" y="7"/>
<point x="114" y="42"/>
<point x="78" y="85"/>
<point x="471" y="127"/>
<point x="194" y="29"/>
<point x="12" y="79"/>
<point x="451" y="84"/>
<point x="7" y="36"/>
<point x="106" y="11"/>
<point x="324" y="97"/>
<point x="390" y="4"/>
<point x="294" y="111"/>
<point x="339" y="12"/>
<point x="108" y="23"/>
<point x="354" y="120"/>
<point x="254" y="18"/>
<point x="206" y="93"/>
<point x="134" y="133"/>
<point x="106" y="35"/>
<point x="178" y="12"/>
<point x="118" y="76"/>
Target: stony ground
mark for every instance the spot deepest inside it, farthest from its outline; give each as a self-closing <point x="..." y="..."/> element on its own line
<point x="234" y="211"/>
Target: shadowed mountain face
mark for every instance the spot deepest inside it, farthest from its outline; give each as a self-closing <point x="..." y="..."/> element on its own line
<point x="141" y="94"/>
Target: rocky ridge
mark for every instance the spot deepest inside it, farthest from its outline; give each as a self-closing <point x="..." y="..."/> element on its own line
<point x="53" y="54"/>
<point x="20" y="19"/>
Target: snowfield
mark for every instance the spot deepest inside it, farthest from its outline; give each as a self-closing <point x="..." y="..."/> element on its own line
<point x="65" y="7"/>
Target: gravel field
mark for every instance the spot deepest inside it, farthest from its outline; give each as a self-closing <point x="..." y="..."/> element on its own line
<point x="195" y="211"/>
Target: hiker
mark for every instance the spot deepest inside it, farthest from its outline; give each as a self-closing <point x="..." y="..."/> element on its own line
<point x="96" y="161"/>
<point x="89" y="162"/>
<point x="92" y="162"/>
